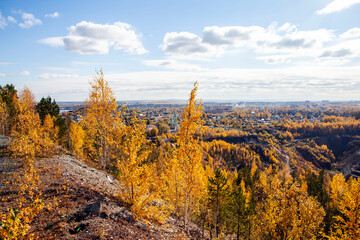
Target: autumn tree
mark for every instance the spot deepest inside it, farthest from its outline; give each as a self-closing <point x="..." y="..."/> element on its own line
<point x="30" y="137"/>
<point x="4" y="118"/>
<point x="30" y="140"/>
<point x="287" y="211"/>
<point x="345" y="197"/>
<point x="140" y="184"/>
<point x="27" y="130"/>
<point x="76" y="136"/>
<point x="186" y="171"/>
<point x="100" y="121"/>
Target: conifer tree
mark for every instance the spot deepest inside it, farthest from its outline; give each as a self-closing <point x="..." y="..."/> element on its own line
<point x="9" y="97"/>
<point x="48" y="106"/>
<point x="218" y="191"/>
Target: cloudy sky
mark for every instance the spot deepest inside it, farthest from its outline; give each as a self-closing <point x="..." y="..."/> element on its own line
<point x="263" y="50"/>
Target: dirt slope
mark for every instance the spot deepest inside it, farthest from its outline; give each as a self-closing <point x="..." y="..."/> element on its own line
<point x="85" y="206"/>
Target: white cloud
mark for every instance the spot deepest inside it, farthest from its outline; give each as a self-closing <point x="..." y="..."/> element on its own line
<point x="3" y="22"/>
<point x="314" y="82"/>
<point x="62" y="69"/>
<point x="29" y="20"/>
<point x="53" y="41"/>
<point x="173" y="65"/>
<point x="25" y="73"/>
<point x="296" y="40"/>
<point x="185" y="43"/>
<point x="91" y="38"/>
<point x="232" y="35"/>
<point x="11" y="19"/>
<point x="57" y="76"/>
<point x="348" y="48"/>
<point x="337" y="5"/>
<point x="351" y="33"/>
<point x="52" y="15"/>
<point x="285" y="39"/>
<point x="344" y="52"/>
<point x="276" y="59"/>
<point x="2" y="75"/>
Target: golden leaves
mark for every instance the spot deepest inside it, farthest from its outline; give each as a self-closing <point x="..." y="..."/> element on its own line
<point x="30" y="137"/>
<point x="101" y="121"/>
<point x="345" y="196"/>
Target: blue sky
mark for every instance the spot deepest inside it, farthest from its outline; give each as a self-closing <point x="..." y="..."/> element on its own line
<point x="263" y="50"/>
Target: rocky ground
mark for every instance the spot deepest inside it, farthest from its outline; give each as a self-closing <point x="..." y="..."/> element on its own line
<point x="4" y="141"/>
<point x="81" y="203"/>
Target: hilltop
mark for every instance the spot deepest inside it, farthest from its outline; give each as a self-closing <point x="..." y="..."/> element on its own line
<point x="84" y="204"/>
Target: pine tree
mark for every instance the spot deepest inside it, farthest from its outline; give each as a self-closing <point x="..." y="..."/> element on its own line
<point x="48" y="106"/>
<point x="218" y="191"/>
<point x="9" y="97"/>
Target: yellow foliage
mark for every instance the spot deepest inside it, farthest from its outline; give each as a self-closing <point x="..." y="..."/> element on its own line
<point x="140" y="185"/>
<point x="101" y="120"/>
<point x="27" y="129"/>
<point x="77" y="135"/>
<point x="30" y="138"/>
<point x="288" y="212"/>
<point x="16" y="222"/>
<point x="186" y="171"/>
<point x="345" y="196"/>
<point x="4" y="117"/>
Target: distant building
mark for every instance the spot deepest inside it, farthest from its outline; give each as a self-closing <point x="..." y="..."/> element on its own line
<point x="150" y="126"/>
<point x="174" y="124"/>
<point x="218" y="109"/>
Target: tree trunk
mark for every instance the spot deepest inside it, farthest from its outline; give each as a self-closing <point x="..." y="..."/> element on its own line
<point x="186" y="212"/>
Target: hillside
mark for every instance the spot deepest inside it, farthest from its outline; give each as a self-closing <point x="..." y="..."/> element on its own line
<point x="83" y="201"/>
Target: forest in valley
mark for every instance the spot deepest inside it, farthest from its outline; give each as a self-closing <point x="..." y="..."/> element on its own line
<point x="231" y="175"/>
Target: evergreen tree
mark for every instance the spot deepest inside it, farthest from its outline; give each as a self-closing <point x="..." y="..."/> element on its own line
<point x="218" y="192"/>
<point x="9" y="97"/>
<point x="47" y="106"/>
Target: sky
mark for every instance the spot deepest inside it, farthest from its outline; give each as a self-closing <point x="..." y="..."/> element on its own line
<point x="249" y="50"/>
